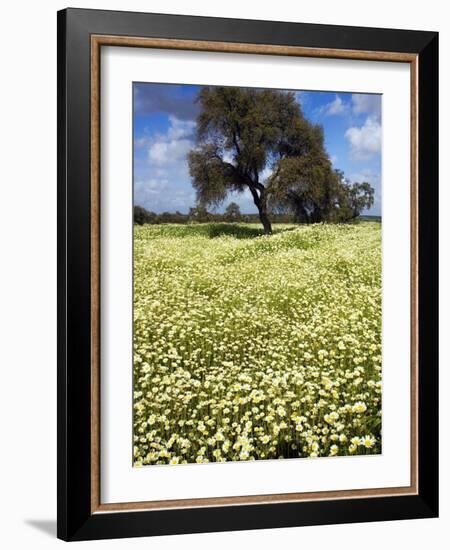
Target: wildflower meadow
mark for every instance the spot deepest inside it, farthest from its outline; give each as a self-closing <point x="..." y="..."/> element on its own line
<point x="251" y="347"/>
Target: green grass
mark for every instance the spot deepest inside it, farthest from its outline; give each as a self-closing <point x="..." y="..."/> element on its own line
<point x="255" y="347"/>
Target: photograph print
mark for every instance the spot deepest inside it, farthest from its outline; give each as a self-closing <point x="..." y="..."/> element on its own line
<point x="257" y="274"/>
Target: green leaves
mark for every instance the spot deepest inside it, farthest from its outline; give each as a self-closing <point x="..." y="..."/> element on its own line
<point x="244" y="131"/>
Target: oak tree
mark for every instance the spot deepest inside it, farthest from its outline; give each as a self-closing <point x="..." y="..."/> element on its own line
<point x="259" y="140"/>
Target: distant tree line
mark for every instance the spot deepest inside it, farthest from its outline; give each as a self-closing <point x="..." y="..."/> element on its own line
<point x="199" y="214"/>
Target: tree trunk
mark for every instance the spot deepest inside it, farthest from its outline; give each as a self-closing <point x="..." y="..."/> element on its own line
<point x="261" y="204"/>
<point x="265" y="221"/>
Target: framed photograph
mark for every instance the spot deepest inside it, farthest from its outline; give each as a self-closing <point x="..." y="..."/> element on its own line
<point x="247" y="253"/>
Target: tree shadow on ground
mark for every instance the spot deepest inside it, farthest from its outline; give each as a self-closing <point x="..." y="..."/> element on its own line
<point x="238" y="231"/>
<point x="232" y="230"/>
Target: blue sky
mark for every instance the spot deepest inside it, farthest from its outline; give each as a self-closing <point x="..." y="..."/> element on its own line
<point x="164" y="132"/>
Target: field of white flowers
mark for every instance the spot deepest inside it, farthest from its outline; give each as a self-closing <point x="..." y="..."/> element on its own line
<point x="253" y="347"/>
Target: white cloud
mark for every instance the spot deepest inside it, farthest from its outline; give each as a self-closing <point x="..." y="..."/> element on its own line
<point x="163" y="183"/>
<point x="174" y="145"/>
<point x="147" y="191"/>
<point x="302" y="98"/>
<point x="165" y="152"/>
<point x="365" y="141"/>
<point x="181" y="200"/>
<point x="334" y="159"/>
<point x="161" y="195"/>
<point x="335" y="107"/>
<point x="160" y="144"/>
<point x="228" y="157"/>
<point x="180" y="128"/>
<point x="266" y="173"/>
<point x="367" y="103"/>
<point x="367" y="174"/>
<point x="141" y="142"/>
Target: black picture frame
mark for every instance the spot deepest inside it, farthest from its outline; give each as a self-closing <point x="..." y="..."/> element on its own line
<point x="75" y="519"/>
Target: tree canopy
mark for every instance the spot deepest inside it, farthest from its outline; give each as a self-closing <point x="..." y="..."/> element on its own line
<point x="315" y="192"/>
<point x="232" y="212"/>
<point x="260" y="140"/>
